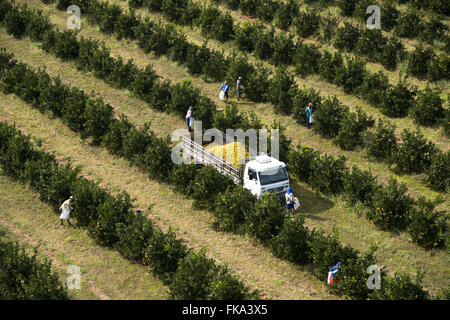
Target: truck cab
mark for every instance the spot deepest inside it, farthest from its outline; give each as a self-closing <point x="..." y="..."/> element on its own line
<point x="265" y="174"/>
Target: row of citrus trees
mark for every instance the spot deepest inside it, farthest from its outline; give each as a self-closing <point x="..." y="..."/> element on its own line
<point x="24" y="276"/>
<point x="107" y="221"/>
<point x="111" y="222"/>
<point x="285" y="13"/>
<point x="371" y="43"/>
<point x="333" y="120"/>
<point x="395" y="18"/>
<point x="364" y="42"/>
<point x="438" y="6"/>
<point x="388" y="207"/>
<point x="407" y="23"/>
<point x="279" y="48"/>
<point x="350" y="130"/>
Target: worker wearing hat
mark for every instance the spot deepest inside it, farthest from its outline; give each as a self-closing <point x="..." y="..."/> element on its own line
<point x="190" y="118"/>
<point x="225" y="87"/>
<point x="289" y="195"/>
<point x="333" y="272"/>
<point x="239" y="87"/>
<point x="65" y="210"/>
<point x="308" y="112"/>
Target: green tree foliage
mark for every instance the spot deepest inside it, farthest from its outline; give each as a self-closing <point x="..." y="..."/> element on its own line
<point x="27" y="277"/>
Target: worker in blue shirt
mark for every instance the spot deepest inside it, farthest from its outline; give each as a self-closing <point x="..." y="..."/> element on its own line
<point x="225" y="87"/>
<point x="308" y="112"/>
<point x="332" y="274"/>
<point x="189" y="117"/>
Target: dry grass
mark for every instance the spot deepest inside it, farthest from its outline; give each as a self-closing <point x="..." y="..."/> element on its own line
<point x="408" y="43"/>
<point x="105" y="274"/>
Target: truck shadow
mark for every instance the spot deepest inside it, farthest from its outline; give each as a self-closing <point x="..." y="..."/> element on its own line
<point x="311" y="203"/>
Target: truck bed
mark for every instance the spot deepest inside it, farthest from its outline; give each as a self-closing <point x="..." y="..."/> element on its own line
<point x="233" y="152"/>
<point x="203" y="156"/>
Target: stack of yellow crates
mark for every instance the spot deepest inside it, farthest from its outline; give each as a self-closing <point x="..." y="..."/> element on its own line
<point x="232" y="152"/>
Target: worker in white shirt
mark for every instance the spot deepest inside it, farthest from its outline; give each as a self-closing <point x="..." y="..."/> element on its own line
<point x="65" y="210"/>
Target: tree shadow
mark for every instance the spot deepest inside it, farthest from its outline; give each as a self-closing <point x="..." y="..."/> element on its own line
<point x="208" y="80"/>
<point x="246" y="103"/>
<point x="311" y="203"/>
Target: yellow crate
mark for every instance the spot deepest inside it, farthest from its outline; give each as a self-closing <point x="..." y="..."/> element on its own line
<point x="232" y="152"/>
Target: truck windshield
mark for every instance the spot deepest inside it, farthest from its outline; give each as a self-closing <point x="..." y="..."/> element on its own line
<point x="272" y="176"/>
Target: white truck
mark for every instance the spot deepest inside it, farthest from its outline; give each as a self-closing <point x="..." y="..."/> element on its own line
<point x="259" y="174"/>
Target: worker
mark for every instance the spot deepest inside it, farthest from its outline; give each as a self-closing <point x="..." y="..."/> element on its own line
<point x="308" y="112"/>
<point x="189" y="117"/>
<point x="332" y="273"/>
<point x="239" y="87"/>
<point x="290" y="200"/>
<point x="225" y="87"/>
<point x="65" y="209"/>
